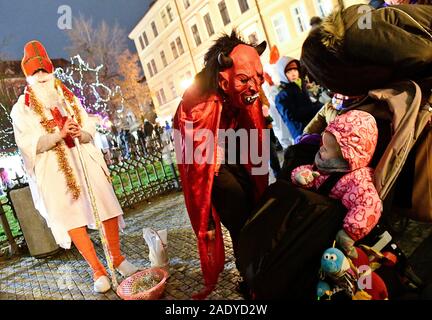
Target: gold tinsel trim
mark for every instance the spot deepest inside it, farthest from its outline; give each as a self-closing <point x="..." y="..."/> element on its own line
<point x="70" y="99"/>
<point x="67" y="170"/>
<point x="62" y="161"/>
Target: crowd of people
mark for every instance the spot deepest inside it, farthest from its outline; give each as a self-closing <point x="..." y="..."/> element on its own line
<point x="145" y="140"/>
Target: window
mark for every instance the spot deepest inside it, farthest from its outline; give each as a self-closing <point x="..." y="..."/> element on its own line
<point x="324" y="7"/>
<point x="141" y="42"/>
<point x="209" y="24"/>
<point x="179" y="45"/>
<point x="155" y="32"/>
<point x="163" y="58"/>
<point x="186" y="3"/>
<point x="170" y="13"/>
<point x="164" y="18"/>
<point x="280" y="28"/>
<point x="244" y="6"/>
<point x="253" y="38"/>
<point x="196" y="35"/>
<point x="153" y="63"/>
<point x="300" y="18"/>
<point x="173" y="89"/>
<point x="144" y="35"/>
<point x="150" y="70"/>
<point x="177" y="48"/>
<point x="162" y="96"/>
<point x="158" y="96"/>
<point x="224" y="12"/>
<point x="174" y="50"/>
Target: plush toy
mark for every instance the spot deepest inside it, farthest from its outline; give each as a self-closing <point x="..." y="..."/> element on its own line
<point x="355" y="278"/>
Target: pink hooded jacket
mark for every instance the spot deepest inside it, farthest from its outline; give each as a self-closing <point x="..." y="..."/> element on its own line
<point x="357" y="135"/>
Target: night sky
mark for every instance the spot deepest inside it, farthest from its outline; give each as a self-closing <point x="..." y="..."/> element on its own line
<point x="25" y="20"/>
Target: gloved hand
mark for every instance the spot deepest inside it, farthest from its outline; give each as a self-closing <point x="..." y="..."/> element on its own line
<point x="305" y="176"/>
<point x="346" y="243"/>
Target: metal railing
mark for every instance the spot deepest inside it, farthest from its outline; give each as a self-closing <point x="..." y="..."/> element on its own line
<point x="142" y="171"/>
<point x="139" y="173"/>
<point x="7" y="206"/>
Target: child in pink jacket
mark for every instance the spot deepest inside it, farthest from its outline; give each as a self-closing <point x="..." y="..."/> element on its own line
<point x="348" y="144"/>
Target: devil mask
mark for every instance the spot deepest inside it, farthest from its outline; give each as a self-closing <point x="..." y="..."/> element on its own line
<point x="242" y="79"/>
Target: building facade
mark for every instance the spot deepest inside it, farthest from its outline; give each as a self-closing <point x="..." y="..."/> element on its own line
<point x="174" y="35"/>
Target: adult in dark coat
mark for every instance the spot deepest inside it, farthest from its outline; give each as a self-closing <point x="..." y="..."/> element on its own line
<point x="141" y="138"/>
<point x="293" y="101"/>
<point x="348" y="55"/>
<point x="148" y="129"/>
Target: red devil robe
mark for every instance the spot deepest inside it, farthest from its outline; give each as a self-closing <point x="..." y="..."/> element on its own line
<point x="208" y="112"/>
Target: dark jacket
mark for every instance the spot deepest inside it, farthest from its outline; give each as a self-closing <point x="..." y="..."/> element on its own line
<point x="148" y="129"/>
<point x="348" y="58"/>
<point x="292" y="102"/>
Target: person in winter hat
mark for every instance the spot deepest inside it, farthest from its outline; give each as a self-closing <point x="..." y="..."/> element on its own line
<point x="271" y="88"/>
<point x="348" y="144"/>
<point x="44" y="132"/>
<point x="293" y="101"/>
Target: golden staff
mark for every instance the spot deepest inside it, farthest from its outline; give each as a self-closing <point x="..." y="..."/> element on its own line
<point x="92" y="198"/>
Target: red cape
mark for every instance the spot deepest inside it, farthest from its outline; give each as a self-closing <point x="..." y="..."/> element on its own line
<point x="197" y="179"/>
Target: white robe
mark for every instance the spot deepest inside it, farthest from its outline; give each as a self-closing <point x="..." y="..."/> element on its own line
<point x="48" y="185"/>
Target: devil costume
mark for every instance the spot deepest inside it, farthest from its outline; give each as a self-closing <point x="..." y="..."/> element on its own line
<point x="224" y="96"/>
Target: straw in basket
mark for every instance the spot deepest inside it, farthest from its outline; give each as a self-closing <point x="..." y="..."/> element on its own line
<point x="126" y="289"/>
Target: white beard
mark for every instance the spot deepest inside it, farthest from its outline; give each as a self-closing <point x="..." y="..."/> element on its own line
<point x="46" y="92"/>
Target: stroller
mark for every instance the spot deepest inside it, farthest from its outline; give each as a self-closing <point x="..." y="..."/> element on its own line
<point x="280" y="246"/>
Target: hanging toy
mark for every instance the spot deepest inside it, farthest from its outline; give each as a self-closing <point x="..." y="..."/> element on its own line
<point x="354" y="278"/>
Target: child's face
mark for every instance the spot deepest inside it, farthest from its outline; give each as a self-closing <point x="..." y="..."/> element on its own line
<point x="329" y="149"/>
<point x="292" y="74"/>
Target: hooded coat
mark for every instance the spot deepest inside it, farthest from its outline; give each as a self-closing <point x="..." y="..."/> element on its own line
<point x="292" y="102"/>
<point x="356" y="133"/>
<point x="355" y="50"/>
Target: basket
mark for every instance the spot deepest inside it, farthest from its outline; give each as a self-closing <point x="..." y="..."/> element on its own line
<point x="124" y="290"/>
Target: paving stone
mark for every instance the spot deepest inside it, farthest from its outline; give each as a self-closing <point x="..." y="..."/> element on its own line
<point x="67" y="276"/>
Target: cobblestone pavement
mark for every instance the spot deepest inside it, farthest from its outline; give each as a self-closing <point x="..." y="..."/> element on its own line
<point x="66" y="276"/>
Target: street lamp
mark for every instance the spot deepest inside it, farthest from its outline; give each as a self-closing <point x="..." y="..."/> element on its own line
<point x="186" y="83"/>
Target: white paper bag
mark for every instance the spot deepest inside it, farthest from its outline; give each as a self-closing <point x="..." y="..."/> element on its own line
<point x="157" y="243"/>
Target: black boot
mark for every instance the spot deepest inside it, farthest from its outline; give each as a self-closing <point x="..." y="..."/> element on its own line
<point x="243" y="289"/>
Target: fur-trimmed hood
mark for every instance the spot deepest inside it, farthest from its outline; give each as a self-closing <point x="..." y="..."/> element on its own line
<point x="333" y="30"/>
<point x="346" y="54"/>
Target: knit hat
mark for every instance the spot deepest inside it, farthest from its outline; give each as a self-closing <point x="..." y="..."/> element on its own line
<point x="292" y="65"/>
<point x="35" y="58"/>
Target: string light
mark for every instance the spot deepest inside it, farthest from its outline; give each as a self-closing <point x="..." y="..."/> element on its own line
<point x="101" y="93"/>
<point x="7" y="139"/>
